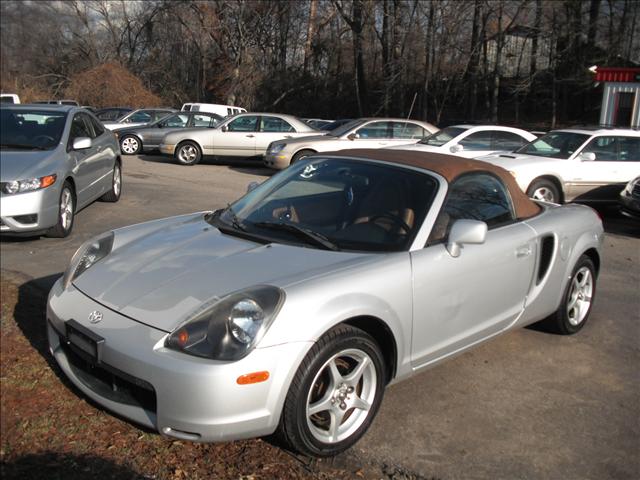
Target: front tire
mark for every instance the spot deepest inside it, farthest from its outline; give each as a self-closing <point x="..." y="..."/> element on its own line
<point x="130" y="145"/>
<point x="188" y="153"/>
<point x="113" y="195"/>
<point x="335" y="393"/>
<point x="300" y="155"/>
<point x="544" y="190"/>
<point x="66" y="213"/>
<point x="577" y="300"/>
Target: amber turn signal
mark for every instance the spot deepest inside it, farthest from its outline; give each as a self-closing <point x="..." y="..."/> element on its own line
<point x="47" y="181"/>
<point x="255" y="377"/>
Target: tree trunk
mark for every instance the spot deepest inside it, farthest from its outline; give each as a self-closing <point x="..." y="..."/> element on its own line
<point x="311" y="30"/>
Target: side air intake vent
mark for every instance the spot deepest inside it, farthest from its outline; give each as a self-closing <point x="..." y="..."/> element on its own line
<point x="546" y="253"/>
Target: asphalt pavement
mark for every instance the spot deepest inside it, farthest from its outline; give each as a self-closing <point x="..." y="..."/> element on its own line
<point x="526" y="405"/>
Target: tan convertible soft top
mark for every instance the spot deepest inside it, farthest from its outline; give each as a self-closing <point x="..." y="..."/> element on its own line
<point x="448" y="166"/>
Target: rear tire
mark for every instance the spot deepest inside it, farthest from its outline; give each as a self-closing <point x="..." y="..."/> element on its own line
<point x="113" y="195"/>
<point x="544" y="190"/>
<point x="188" y="153"/>
<point x="66" y="213"/>
<point x="300" y="155"/>
<point x="335" y="393"/>
<point x="130" y="145"/>
<point x="577" y="300"/>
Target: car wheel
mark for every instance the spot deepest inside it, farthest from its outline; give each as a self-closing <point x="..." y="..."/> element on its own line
<point x="188" y="153"/>
<point x="113" y="195"/>
<point x="130" y="145"/>
<point x="335" y="393"/>
<point x="66" y="213"/>
<point x="544" y="190"/>
<point x="300" y="155"/>
<point x="577" y="300"/>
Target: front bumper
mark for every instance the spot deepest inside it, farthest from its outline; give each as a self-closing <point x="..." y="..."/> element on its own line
<point x="30" y="211"/>
<point x="167" y="149"/>
<point x="185" y="397"/>
<point x="278" y="161"/>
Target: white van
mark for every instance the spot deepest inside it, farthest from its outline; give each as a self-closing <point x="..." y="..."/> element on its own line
<point x="224" y="110"/>
<point x="9" y="98"/>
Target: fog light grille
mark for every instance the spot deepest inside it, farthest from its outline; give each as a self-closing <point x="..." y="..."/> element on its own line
<point x="26" y="219"/>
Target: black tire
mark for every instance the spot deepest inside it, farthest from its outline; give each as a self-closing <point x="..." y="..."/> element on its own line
<point x="113" y="195"/>
<point x="345" y="348"/>
<point x="577" y="301"/>
<point x="130" y="145"/>
<point x="66" y="212"/>
<point x="188" y="153"/>
<point x="545" y="190"/>
<point x="300" y="155"/>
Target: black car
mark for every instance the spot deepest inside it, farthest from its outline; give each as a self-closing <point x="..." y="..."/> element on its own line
<point x="112" y="114"/>
<point x="134" y="140"/>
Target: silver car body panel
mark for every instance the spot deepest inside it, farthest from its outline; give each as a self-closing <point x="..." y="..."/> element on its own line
<point x="434" y="305"/>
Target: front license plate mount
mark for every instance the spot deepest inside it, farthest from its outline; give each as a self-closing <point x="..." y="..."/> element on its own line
<point x="84" y="342"/>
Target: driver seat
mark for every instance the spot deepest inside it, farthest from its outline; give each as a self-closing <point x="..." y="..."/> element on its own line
<point x="386" y="199"/>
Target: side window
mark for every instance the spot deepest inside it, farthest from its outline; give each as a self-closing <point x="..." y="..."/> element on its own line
<point x="375" y="130"/>
<point x="629" y="150"/>
<point x="97" y="126"/>
<point x="275" y="124"/>
<point x="143" y="116"/>
<point x="202" y="121"/>
<point x="108" y="115"/>
<point x="474" y="196"/>
<point x="477" y="141"/>
<point x="176" y="121"/>
<point x="248" y="123"/>
<point x="79" y="128"/>
<point x="507" y="141"/>
<point x="604" y="148"/>
<point x="407" y="130"/>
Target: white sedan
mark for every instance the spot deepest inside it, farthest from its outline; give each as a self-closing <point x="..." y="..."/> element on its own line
<point x="471" y="141"/>
<point x="244" y="135"/>
<point x="591" y="165"/>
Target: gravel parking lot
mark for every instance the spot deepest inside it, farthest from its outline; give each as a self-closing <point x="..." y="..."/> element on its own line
<point x="526" y="405"/>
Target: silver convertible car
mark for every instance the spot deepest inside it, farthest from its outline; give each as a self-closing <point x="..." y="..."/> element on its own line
<point x="291" y="309"/>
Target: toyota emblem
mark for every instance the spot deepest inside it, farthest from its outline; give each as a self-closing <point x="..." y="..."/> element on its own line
<point x="95" y="316"/>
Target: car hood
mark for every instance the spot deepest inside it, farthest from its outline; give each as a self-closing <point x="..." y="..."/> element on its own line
<point x="23" y="164"/>
<point x="163" y="276"/>
<point x="308" y="138"/>
<point x="511" y="161"/>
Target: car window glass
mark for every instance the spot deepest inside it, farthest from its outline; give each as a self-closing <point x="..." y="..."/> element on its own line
<point x="407" y="130"/>
<point x="275" y="124"/>
<point x="246" y="123"/>
<point x="39" y="129"/>
<point x="97" y="127"/>
<point x="139" y="117"/>
<point x="507" y="140"/>
<point x="555" y="145"/>
<point x="475" y="196"/>
<point x="202" y="121"/>
<point x="443" y="136"/>
<point x="159" y="114"/>
<point x="629" y="149"/>
<point x="176" y="121"/>
<point x="477" y="141"/>
<point x="375" y="130"/>
<point x="79" y="128"/>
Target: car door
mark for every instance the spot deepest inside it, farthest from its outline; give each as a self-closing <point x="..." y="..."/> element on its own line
<point x="154" y="134"/>
<point x="271" y="129"/>
<point x="458" y="301"/>
<point x="104" y="144"/>
<point x="617" y="161"/>
<point x="474" y="144"/>
<point x="237" y="137"/>
<point x="88" y="163"/>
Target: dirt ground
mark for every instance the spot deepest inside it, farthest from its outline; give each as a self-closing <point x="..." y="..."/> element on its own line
<point x="49" y="430"/>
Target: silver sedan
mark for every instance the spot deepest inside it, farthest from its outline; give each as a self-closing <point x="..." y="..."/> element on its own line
<point x="244" y="135"/>
<point x="293" y="308"/>
<point x="55" y="160"/>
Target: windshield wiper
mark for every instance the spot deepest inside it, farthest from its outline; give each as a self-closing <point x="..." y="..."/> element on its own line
<point x="235" y="221"/>
<point x="22" y="146"/>
<point x="315" y="237"/>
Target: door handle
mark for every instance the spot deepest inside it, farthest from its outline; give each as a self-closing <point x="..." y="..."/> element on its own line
<point x="250" y="136"/>
<point x="523" y="251"/>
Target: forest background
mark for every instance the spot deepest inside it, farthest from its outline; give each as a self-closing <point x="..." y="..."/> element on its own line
<point x="522" y="62"/>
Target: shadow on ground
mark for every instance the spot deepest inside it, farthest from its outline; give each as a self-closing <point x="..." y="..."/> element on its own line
<point x="616" y="223"/>
<point x="56" y="466"/>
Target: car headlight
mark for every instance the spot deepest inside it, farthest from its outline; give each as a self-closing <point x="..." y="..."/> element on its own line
<point x="89" y="253"/>
<point x="28" y="184"/>
<point x="629" y="188"/>
<point x="276" y="147"/>
<point x="230" y="327"/>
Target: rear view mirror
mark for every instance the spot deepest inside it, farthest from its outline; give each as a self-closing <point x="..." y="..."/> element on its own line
<point x="465" y="231"/>
<point x="353" y="136"/>
<point x="81" y="143"/>
<point x="587" y="156"/>
<point x="456" y="148"/>
<point x="224" y="128"/>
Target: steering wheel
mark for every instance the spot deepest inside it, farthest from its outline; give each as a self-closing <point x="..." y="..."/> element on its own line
<point x="394" y="218"/>
<point x="44" y="139"/>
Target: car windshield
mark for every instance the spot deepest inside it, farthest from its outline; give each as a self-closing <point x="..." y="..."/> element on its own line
<point x="443" y="136"/>
<point x="335" y="204"/>
<point x="554" y="145"/>
<point x="338" y="132"/>
<point x="30" y="129"/>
